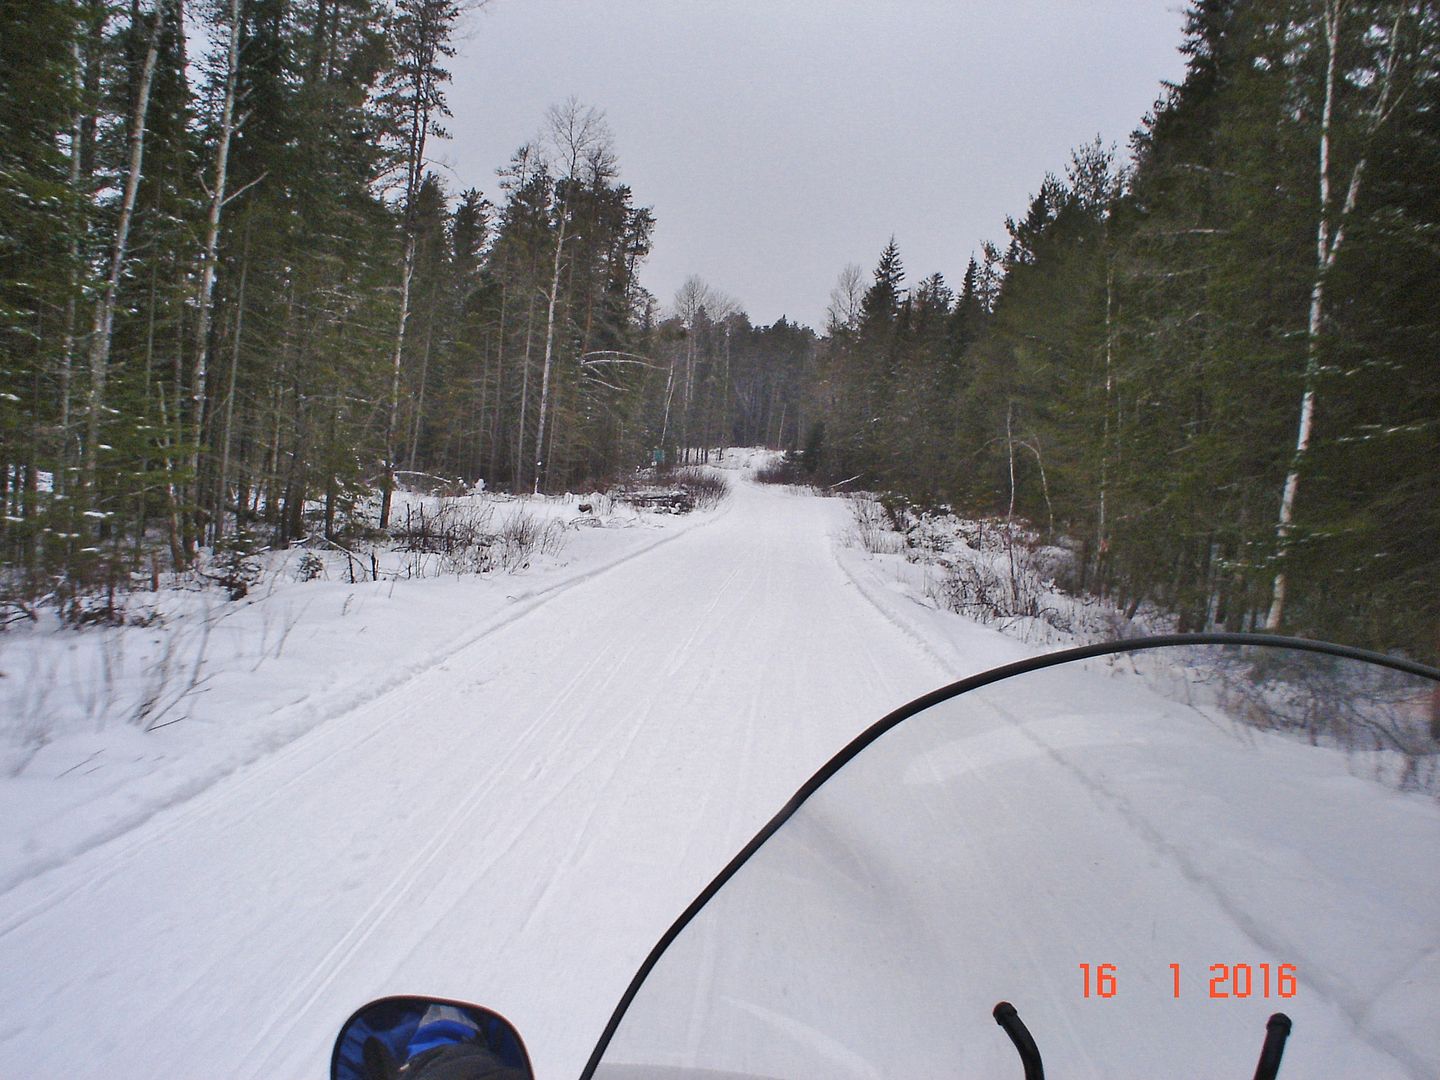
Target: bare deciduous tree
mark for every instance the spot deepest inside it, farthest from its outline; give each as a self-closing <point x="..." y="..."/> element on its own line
<point x="580" y="145"/>
<point x="693" y="299"/>
<point x="845" y="299"/>
<point x="218" y="201"/>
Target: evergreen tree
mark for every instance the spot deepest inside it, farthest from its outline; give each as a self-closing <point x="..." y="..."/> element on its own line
<point x="40" y="215"/>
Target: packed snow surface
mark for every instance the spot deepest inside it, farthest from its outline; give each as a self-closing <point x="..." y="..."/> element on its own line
<point x="517" y="808"/>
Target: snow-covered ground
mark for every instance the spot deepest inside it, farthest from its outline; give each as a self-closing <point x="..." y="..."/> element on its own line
<point x="102" y="728"/>
<point x="501" y="789"/>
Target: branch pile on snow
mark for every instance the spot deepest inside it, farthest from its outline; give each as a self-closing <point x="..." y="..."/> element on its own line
<point x="691" y="488"/>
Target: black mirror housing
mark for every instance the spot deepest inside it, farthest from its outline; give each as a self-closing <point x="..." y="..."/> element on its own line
<point x="453" y="1040"/>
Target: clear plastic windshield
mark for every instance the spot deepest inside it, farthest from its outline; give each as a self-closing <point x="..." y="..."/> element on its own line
<point x="1147" y="853"/>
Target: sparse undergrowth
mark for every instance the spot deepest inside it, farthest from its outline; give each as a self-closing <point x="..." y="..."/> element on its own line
<point x="680" y="491"/>
<point x="438" y="527"/>
<point x="462" y="536"/>
<point x="998" y="572"/>
<point x="151" y="643"/>
<point x="777" y="471"/>
<point x="788" y="469"/>
<point x="1001" y="573"/>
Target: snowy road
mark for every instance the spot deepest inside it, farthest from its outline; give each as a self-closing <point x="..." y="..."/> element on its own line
<point x="518" y="821"/>
<point x="514" y="826"/>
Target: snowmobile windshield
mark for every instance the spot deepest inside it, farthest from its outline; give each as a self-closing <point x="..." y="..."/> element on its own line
<point x="1148" y="850"/>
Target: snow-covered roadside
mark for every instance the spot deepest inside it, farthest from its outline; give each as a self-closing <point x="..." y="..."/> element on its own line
<point x="519" y="823"/>
<point x="913" y="578"/>
<point x="991" y="571"/>
<point x="219" y="684"/>
<point x="516" y="825"/>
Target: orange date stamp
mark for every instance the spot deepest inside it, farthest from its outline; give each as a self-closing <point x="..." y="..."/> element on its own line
<point x="1223" y="981"/>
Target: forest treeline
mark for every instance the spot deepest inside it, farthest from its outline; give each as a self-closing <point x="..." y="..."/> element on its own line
<point x="237" y="307"/>
<point x="235" y="301"/>
<point x="1213" y="368"/>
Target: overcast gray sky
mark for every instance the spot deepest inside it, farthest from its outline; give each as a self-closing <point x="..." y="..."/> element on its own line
<point x="778" y="140"/>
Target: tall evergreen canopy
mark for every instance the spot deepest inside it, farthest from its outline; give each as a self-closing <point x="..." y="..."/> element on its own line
<point x="236" y="304"/>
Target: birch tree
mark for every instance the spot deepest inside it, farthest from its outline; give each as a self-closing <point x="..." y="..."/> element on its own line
<point x="1374" y="90"/>
<point x="218" y="200"/>
<point x="421" y="35"/>
<point x="698" y="306"/>
<point x="580" y="144"/>
<point x="103" y="326"/>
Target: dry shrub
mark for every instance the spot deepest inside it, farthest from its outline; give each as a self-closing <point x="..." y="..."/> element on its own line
<point x="874" y="529"/>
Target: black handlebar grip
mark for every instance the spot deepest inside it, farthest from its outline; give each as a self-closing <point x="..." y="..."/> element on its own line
<point x="1006" y="1016"/>
<point x="1277" y="1030"/>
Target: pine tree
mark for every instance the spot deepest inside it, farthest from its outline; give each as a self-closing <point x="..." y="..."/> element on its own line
<point x="40" y="96"/>
<point x="415" y="101"/>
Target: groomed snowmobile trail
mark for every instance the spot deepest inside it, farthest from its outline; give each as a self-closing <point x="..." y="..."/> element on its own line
<point x="515" y="825"/>
<point x="518" y="822"/>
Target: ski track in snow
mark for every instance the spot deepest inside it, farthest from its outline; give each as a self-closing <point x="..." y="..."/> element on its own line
<point x="514" y="821"/>
<point x="328" y="706"/>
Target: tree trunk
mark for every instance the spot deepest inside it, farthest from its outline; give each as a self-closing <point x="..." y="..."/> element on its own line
<point x="72" y="305"/>
<point x="524" y="396"/>
<point x="1102" y="544"/>
<point x="419" y="129"/>
<point x="223" y="478"/>
<point x="199" y="370"/>
<point x="549" y="353"/>
<point x="1327" y="247"/>
<point x="392" y="413"/>
<point x="103" y="327"/>
<point x="424" y="371"/>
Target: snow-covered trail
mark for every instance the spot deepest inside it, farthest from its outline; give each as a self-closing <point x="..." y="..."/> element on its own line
<point x="515" y="826"/>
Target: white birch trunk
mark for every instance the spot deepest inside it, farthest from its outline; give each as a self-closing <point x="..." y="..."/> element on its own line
<point x="549" y="353"/>
<point x="669" y="393"/>
<point x="222" y="480"/>
<point x="419" y="129"/>
<point x="200" y="368"/>
<point x="1327" y="247"/>
<point x="103" y="328"/>
<point x="392" y="413"/>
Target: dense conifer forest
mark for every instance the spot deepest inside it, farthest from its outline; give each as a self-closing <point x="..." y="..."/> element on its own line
<point x="237" y="307"/>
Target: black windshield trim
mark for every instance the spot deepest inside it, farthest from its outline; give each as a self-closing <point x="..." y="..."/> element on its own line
<point x="935" y="697"/>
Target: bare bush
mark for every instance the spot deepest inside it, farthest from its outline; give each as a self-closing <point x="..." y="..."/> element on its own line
<point x="523" y="536"/>
<point x="520" y="538"/>
<point x="781" y="470"/>
<point x="453" y="527"/>
<point x="706" y="487"/>
<point x="174" y="676"/>
<point x="987" y="593"/>
<point x="874" y="529"/>
<point x="691" y="488"/>
<point x="1379" y="717"/>
<point x="429" y="484"/>
<point x="26" y="721"/>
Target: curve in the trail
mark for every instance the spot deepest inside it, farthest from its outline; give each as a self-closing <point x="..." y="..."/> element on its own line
<point x="515" y="824"/>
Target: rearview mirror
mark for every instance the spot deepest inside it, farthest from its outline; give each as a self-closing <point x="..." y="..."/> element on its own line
<point x="429" y="1038"/>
